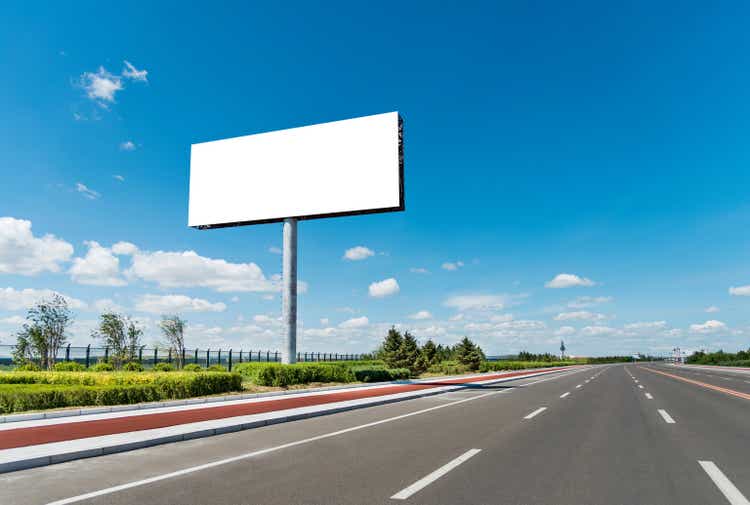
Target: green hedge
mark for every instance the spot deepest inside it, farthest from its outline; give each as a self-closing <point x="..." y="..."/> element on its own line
<point x="276" y="374"/>
<point x="117" y="378"/>
<point x="16" y="397"/>
<point x="379" y="373"/>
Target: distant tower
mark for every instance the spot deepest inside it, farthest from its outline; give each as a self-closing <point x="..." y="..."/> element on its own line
<point x="562" y="349"/>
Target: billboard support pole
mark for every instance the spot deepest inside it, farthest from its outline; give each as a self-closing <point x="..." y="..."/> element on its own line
<point x="289" y="291"/>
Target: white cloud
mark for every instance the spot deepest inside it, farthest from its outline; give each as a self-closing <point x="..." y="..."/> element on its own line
<point x="456" y="317"/>
<point x="168" y="304"/>
<point x="477" y="302"/>
<point x="324" y="321"/>
<point x="646" y="325"/>
<point x="13" y="320"/>
<point x="86" y="191"/>
<point x="11" y="299"/>
<point x="712" y="309"/>
<point x="568" y="281"/>
<point x="124" y="248"/>
<point x="264" y="319"/>
<point x="108" y="305"/>
<point x="711" y="326"/>
<point x="22" y="253"/>
<point x="583" y="302"/>
<point x="564" y="331"/>
<point x="130" y="72"/>
<point x="188" y="269"/>
<point x="119" y="177"/>
<point x="581" y="315"/>
<point x="101" y="86"/>
<point x="358" y="253"/>
<point x="357" y="322"/>
<point x="275" y="250"/>
<point x="384" y="288"/>
<point x="422" y="314"/>
<point x="98" y="268"/>
<point x="740" y="290"/>
<point x="419" y="270"/>
<point x="501" y="318"/>
<point x="128" y="145"/>
<point x="452" y="266"/>
<point x="598" y="331"/>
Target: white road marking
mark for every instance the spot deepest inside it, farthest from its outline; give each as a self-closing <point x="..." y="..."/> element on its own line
<point x="429" y="479"/>
<point x="564" y="394"/>
<point x="730" y="492"/>
<point x="667" y="418"/>
<point x="640" y="386"/>
<point x="579" y="386"/>
<point x="648" y="395"/>
<point x="213" y="464"/>
<point x="536" y="412"/>
<point x="593" y="377"/>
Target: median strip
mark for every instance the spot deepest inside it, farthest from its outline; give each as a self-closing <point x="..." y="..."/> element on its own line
<point x="733" y="495"/>
<point x="429" y="479"/>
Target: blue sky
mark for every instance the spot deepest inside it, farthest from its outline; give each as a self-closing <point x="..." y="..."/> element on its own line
<point x="606" y="143"/>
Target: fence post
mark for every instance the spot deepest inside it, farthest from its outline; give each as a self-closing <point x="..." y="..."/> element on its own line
<point x="169" y="356"/>
<point x="67" y="353"/>
<point x="140" y="354"/>
<point x="106" y="354"/>
<point x="297" y="356"/>
<point x="229" y="363"/>
<point x="219" y="358"/>
<point x="156" y="355"/>
<point x="268" y="355"/>
<point x="182" y="363"/>
<point x="195" y="356"/>
<point x="208" y="357"/>
<point x="240" y="355"/>
<point x="276" y="356"/>
<point x="88" y="354"/>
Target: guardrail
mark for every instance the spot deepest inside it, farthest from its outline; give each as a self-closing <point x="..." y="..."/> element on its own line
<point x="149" y="356"/>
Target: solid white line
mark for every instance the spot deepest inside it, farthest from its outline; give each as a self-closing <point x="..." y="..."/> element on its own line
<point x="667" y="418"/>
<point x="564" y="394"/>
<point x="648" y="395"/>
<point x="536" y="412"/>
<point x="730" y="492"/>
<point x="213" y="464"/>
<point x="640" y="386"/>
<point x="579" y="386"/>
<point x="429" y="479"/>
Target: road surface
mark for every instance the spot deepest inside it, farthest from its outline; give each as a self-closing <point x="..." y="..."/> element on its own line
<point x="619" y="434"/>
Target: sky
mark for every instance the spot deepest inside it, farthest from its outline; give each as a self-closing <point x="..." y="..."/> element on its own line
<point x="573" y="170"/>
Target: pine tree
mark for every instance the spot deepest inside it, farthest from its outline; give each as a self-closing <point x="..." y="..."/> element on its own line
<point x="468" y="354"/>
<point x="391" y="348"/>
<point x="409" y="352"/>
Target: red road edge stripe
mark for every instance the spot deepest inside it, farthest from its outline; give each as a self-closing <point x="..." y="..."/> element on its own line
<point x="21" y="437"/>
<point x="738" y="394"/>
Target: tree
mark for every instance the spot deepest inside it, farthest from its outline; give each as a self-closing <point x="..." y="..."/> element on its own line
<point x="469" y="354"/>
<point x="408" y="353"/>
<point x="111" y="331"/>
<point x="44" y="333"/>
<point x="135" y="333"/>
<point x="427" y="356"/>
<point x="173" y="329"/>
<point x="391" y="348"/>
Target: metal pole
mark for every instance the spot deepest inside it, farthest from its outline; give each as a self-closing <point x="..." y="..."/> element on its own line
<point x="289" y="293"/>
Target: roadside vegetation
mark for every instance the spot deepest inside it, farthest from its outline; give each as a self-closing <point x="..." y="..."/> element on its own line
<point x="721" y="358"/>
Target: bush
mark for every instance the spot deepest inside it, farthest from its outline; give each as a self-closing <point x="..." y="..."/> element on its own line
<point x="163" y="367"/>
<point x="102" y="366"/>
<point x="28" y="367"/>
<point x="17" y="397"/>
<point x="276" y="374"/>
<point x="69" y="366"/>
<point x="216" y="368"/>
<point x="192" y="367"/>
<point x="132" y="366"/>
<point x="379" y="373"/>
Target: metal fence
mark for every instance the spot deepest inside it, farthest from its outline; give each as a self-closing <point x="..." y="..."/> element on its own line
<point x="149" y="357"/>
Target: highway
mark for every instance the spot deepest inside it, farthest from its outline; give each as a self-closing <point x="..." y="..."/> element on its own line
<point x="615" y="434"/>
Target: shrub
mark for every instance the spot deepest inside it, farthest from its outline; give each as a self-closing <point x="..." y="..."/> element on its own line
<point x="163" y="367"/>
<point x="132" y="366"/>
<point x="216" y="368"/>
<point x="192" y="367"/>
<point x="69" y="366"/>
<point x="379" y="373"/>
<point x="28" y="367"/>
<point x="276" y="374"/>
<point x="102" y="366"/>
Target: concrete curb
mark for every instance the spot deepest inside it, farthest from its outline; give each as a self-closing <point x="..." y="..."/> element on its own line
<point x="31" y="456"/>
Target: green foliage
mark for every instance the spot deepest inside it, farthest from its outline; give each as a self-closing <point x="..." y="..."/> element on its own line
<point x="216" y="368"/>
<point x="192" y="367"/>
<point x="132" y="366"/>
<point x="390" y="351"/>
<point x="102" y="366"/>
<point x="44" y="332"/>
<point x="120" y="388"/>
<point x="375" y="373"/>
<point x="163" y="367"/>
<point x="28" y="367"/>
<point x="741" y="358"/>
<point x="69" y="366"/>
<point x="469" y="354"/>
<point x="276" y="374"/>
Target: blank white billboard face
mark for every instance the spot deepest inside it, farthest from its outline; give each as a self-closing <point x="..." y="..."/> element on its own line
<point x="340" y="168"/>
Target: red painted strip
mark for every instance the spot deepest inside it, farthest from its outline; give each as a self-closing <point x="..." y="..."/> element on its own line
<point x="738" y="394"/>
<point x="21" y="437"/>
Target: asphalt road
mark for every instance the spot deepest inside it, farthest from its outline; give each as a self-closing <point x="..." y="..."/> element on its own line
<point x="608" y="441"/>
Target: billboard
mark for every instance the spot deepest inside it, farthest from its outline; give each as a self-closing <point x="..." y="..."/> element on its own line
<point x="341" y="168"/>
